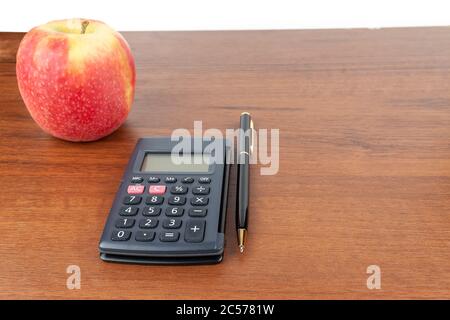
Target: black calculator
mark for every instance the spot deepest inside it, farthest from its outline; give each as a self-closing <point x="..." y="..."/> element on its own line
<point x="166" y="211"/>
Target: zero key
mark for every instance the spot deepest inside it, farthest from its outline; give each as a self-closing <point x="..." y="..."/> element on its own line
<point x="120" y="235"/>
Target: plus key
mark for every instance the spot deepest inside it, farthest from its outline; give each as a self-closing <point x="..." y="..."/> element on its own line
<point x="195" y="231"/>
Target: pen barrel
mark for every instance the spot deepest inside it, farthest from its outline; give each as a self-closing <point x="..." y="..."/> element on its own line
<point x="243" y="195"/>
<point x="243" y="168"/>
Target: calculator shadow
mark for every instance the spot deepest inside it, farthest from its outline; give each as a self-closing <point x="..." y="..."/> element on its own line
<point x="231" y="245"/>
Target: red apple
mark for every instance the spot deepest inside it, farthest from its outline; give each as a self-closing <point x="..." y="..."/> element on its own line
<point x="77" y="78"/>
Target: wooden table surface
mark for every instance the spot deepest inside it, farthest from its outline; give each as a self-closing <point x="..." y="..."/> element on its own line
<point x="364" y="179"/>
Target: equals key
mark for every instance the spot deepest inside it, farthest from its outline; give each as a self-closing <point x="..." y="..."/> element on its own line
<point x="169" y="236"/>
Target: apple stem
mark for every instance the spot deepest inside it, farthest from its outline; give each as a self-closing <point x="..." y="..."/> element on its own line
<point x="84" y="25"/>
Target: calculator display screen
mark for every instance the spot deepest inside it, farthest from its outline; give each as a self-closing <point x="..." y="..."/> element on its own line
<point x="163" y="162"/>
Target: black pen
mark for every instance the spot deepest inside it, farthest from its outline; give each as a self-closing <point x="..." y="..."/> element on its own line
<point x="245" y="148"/>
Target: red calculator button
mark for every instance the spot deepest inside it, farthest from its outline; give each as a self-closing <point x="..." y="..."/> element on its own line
<point x="135" y="189"/>
<point x="156" y="189"/>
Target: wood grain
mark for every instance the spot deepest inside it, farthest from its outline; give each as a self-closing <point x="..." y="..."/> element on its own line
<point x="364" y="119"/>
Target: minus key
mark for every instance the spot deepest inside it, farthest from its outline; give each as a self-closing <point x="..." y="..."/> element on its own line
<point x="197" y="212"/>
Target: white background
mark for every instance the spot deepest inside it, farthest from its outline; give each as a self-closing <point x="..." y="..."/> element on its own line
<point x="21" y="15"/>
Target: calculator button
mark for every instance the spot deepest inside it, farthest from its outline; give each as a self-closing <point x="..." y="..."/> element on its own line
<point x="125" y="223"/>
<point x="195" y="231"/>
<point x="169" y="236"/>
<point x="187" y="180"/>
<point x="177" y="200"/>
<point x="132" y="200"/>
<point x="174" y="212"/>
<point x="151" y="211"/>
<point x="136" y="179"/>
<point x="171" y="179"/>
<point x="120" y="235"/>
<point x="172" y="223"/>
<point x="199" y="201"/>
<point x="153" y="180"/>
<point x="154" y="200"/>
<point x="204" y="180"/>
<point x="179" y="189"/>
<point x="145" y="236"/>
<point x="157" y="189"/>
<point x="200" y="190"/>
<point x="148" y="223"/>
<point x="128" y="211"/>
<point x="197" y="212"/>
<point x="135" y="189"/>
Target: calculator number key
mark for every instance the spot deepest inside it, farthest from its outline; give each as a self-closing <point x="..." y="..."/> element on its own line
<point x="145" y="236"/>
<point x="151" y="211"/>
<point x="125" y="223"/>
<point x="177" y="200"/>
<point x="174" y="212"/>
<point x="128" y="211"/>
<point x="200" y="190"/>
<point x="172" y="223"/>
<point x="120" y="235"/>
<point x="154" y="200"/>
<point x="169" y="236"/>
<point x="148" y="223"/>
<point x="195" y="231"/>
<point x="179" y="189"/>
<point x="132" y="200"/>
<point x="199" y="201"/>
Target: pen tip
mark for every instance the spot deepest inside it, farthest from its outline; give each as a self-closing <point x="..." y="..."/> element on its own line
<point x="241" y="249"/>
